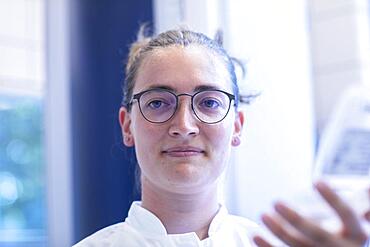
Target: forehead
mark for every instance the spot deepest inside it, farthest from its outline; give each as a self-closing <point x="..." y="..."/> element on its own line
<point x="183" y="69"/>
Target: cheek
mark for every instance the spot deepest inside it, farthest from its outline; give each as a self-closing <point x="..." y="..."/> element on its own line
<point x="146" y="144"/>
<point x="144" y="132"/>
<point x="220" y="139"/>
<point x="220" y="149"/>
<point x="147" y="137"/>
<point x="223" y="132"/>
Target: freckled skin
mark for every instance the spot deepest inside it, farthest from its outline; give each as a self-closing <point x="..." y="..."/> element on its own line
<point x="182" y="69"/>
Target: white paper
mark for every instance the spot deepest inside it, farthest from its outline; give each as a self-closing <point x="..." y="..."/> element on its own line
<point x="344" y="154"/>
<point x="343" y="159"/>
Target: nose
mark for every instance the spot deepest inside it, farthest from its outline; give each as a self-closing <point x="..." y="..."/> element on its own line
<point x="184" y="122"/>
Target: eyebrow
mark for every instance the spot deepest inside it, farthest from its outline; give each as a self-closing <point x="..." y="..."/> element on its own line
<point x="196" y="89"/>
<point x="161" y="87"/>
<point x="205" y="87"/>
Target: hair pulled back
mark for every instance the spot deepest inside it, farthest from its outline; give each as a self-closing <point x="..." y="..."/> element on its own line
<point x="145" y="45"/>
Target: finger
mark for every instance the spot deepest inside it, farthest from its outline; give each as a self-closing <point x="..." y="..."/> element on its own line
<point x="311" y="230"/>
<point x="352" y="226"/>
<point x="283" y="234"/>
<point x="261" y="242"/>
<point x="367" y="215"/>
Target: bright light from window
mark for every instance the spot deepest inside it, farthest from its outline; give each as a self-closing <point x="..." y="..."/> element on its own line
<point x="22" y="78"/>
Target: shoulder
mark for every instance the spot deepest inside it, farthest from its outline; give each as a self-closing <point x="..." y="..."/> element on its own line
<point x="234" y="230"/>
<point x="242" y="227"/>
<point x="231" y="224"/>
<point x="103" y="237"/>
<point x="238" y="223"/>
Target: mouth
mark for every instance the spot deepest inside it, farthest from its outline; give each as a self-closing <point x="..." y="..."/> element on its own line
<point x="183" y="151"/>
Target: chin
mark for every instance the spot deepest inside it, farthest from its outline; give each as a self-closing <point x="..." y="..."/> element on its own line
<point x="186" y="176"/>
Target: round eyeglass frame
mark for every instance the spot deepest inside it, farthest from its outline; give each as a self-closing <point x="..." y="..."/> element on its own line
<point x="138" y="96"/>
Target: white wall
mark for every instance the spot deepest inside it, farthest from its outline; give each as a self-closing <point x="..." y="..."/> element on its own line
<point x="340" y="50"/>
<point x="276" y="155"/>
<point x="202" y="16"/>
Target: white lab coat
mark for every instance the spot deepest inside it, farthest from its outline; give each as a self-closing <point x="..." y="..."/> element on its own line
<point x="142" y="228"/>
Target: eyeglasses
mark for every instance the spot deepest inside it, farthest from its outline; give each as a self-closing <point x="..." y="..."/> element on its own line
<point x="160" y="105"/>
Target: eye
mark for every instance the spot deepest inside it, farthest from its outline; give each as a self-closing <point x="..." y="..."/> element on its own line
<point x="210" y="103"/>
<point x="156" y="104"/>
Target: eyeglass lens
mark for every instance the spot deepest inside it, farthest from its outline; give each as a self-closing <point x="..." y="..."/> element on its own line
<point x="209" y="106"/>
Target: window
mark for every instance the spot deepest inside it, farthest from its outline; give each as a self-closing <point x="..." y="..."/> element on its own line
<point x="22" y="167"/>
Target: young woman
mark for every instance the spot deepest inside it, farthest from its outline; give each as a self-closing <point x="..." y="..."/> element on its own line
<point x="180" y="112"/>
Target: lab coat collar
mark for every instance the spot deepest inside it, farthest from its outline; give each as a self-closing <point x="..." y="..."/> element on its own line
<point x="147" y="223"/>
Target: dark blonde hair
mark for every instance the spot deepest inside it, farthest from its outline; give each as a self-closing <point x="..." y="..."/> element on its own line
<point x="146" y="45"/>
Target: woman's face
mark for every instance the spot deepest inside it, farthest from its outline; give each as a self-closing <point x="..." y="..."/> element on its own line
<point x="182" y="155"/>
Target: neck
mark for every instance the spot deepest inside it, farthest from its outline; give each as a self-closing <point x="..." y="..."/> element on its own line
<point x="181" y="213"/>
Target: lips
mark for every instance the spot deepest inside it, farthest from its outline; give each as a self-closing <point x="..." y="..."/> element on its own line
<point x="183" y="151"/>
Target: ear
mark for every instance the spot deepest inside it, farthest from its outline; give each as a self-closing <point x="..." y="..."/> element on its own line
<point x="238" y="127"/>
<point x="125" y="122"/>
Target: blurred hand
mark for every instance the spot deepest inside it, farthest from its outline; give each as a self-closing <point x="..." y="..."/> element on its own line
<point x="304" y="232"/>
